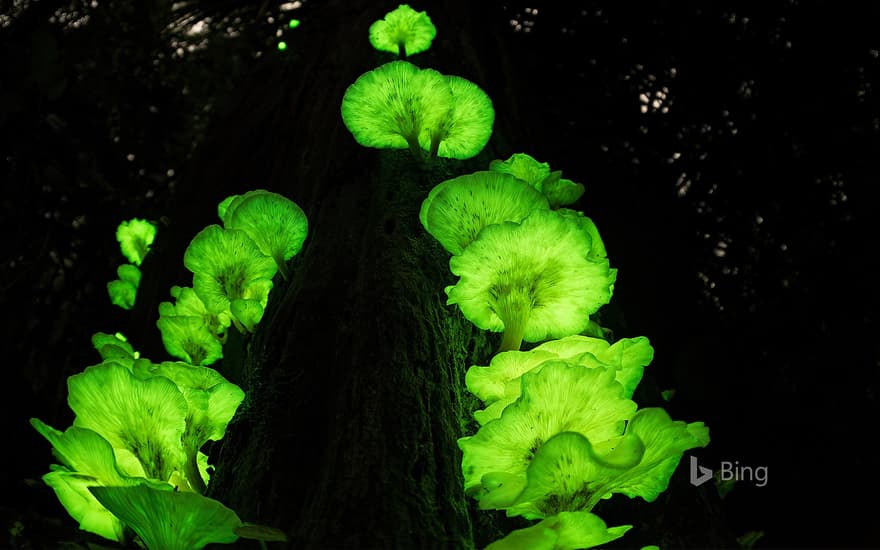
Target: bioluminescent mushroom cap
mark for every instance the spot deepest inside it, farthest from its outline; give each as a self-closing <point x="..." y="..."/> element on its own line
<point x="123" y="291"/>
<point x="524" y="167"/>
<point x="87" y="459"/>
<point x="457" y="209"/>
<point x="275" y="223"/>
<point x="498" y="385"/>
<point x="114" y="346"/>
<point x="556" y="397"/>
<point x="188" y="338"/>
<point x="467" y="128"/>
<point x="145" y="417"/>
<point x="135" y="237"/>
<point x="211" y="403"/>
<point x="564" y="531"/>
<point x="531" y="280"/>
<point x="560" y="191"/>
<point x="404" y="31"/>
<point x="227" y="265"/>
<point x="388" y="107"/>
<point x="168" y="519"/>
<point x="188" y="304"/>
<point x="569" y="473"/>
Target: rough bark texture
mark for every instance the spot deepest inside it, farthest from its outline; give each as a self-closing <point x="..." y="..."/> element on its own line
<point x="355" y="378"/>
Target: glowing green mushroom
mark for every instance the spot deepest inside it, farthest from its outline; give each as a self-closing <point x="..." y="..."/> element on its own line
<point x="457" y="209"/>
<point x="188" y="304"/>
<point x="524" y="167"/>
<point x="531" y="280"/>
<point x="135" y="237"/>
<point x="123" y="291"/>
<point x="227" y="265"/>
<point x="114" y="347"/>
<point x="555" y="397"/>
<point x="275" y="223"/>
<point x="498" y="385"/>
<point x="466" y="129"/>
<point x="188" y="338"/>
<point x="570" y="473"/>
<point x="146" y="418"/>
<point x="558" y="190"/>
<point x="565" y="531"/>
<point x="211" y="403"/>
<point x="168" y="519"/>
<point x="388" y="107"/>
<point x="87" y="460"/>
<point x="403" y="31"/>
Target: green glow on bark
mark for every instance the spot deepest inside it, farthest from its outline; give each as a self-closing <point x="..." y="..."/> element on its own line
<point x="403" y="31"/>
<point x="531" y="280"/>
<point x="135" y="237"/>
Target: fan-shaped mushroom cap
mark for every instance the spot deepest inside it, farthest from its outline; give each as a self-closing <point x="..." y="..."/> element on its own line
<point x="123" y="291"/>
<point x="169" y="519"/>
<point x="457" y="209"/>
<point x="563" y="531"/>
<point x="135" y="237"/>
<point x="524" y="167"/>
<point x="388" y="107"/>
<point x="532" y="280"/>
<point x="467" y="128"/>
<point x="275" y="223"/>
<point x="403" y="31"/>
<point x="560" y="191"/>
<point x="227" y="265"/>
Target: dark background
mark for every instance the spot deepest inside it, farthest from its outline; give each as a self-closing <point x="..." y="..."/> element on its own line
<point x="728" y="153"/>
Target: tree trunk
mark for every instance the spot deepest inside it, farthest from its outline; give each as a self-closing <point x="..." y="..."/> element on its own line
<point x="355" y="377"/>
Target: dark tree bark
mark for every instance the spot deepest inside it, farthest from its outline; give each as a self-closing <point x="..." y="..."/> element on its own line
<point x="355" y="377"/>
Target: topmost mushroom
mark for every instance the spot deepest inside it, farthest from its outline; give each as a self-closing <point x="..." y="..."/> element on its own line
<point x="403" y="31"/>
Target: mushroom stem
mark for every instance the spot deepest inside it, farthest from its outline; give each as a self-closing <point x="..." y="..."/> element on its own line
<point x="513" y="308"/>
<point x="401" y="49"/>
<point x="282" y="266"/>
<point x="193" y="476"/>
<point x="435" y="145"/>
<point x="414" y="146"/>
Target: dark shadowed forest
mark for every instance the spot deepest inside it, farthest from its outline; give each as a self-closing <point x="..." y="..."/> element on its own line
<point x="729" y="153"/>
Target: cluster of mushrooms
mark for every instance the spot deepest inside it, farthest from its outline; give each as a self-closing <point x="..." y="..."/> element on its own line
<point x="559" y="431"/>
<point x="132" y="458"/>
<point x="135" y="237"/>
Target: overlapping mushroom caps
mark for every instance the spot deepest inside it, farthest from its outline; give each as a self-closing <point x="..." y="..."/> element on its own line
<point x="532" y="280"/>
<point x="558" y="190"/>
<point x="399" y="106"/>
<point x="189" y="331"/>
<point x="390" y="106"/>
<point x="570" y="440"/>
<point x="227" y="267"/>
<point x="564" y="531"/>
<point x="403" y="31"/>
<point x="275" y="223"/>
<point x="123" y="291"/>
<point x="498" y="385"/>
<point x="457" y="209"/>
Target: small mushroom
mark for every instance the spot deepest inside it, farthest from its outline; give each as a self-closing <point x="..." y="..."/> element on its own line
<point x="135" y="237"/>
<point x="123" y="291"/>
<point x="457" y="209"/>
<point x="404" y="31"/>
<point x="563" y="531"/>
<point x="532" y="280"/>
<point x="390" y="106"/>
